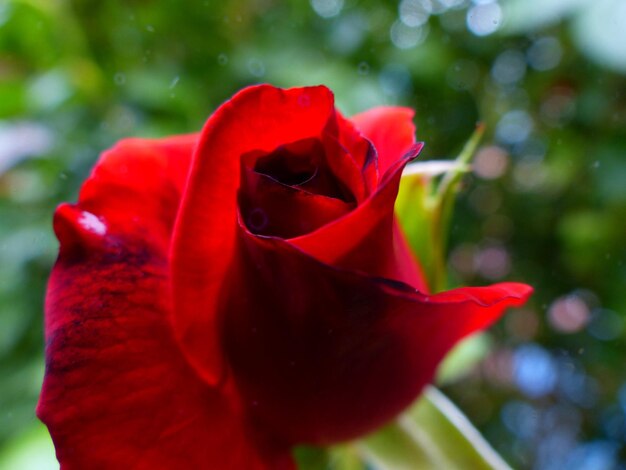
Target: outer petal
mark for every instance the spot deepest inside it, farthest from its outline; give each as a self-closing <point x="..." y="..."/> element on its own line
<point x="325" y="355"/>
<point x="117" y="391"/>
<point x="257" y="118"/>
<point x="137" y="186"/>
<point x="390" y="129"/>
<point x="361" y="149"/>
<point x="368" y="239"/>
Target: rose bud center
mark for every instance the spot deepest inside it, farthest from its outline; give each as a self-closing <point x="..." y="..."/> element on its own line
<point x="293" y="189"/>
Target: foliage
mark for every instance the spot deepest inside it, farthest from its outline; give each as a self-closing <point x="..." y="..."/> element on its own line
<point x="545" y="205"/>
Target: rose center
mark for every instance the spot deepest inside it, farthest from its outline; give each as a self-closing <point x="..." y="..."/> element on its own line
<point x="288" y="169"/>
<point x="291" y="190"/>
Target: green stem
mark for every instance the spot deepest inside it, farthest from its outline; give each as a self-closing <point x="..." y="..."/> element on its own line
<point x="441" y="206"/>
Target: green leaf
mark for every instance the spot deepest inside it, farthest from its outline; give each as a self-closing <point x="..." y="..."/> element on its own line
<point x="311" y="458"/>
<point x="342" y="457"/>
<point x="412" y="208"/>
<point x="424" y="207"/>
<point x="432" y="434"/>
<point x="31" y="450"/>
<point x="462" y="358"/>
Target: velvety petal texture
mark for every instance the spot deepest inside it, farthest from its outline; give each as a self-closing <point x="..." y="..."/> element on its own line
<point x="327" y="329"/>
<point x="390" y="129"/>
<point x="118" y="393"/>
<point x="260" y="118"/>
<point x="364" y="239"/>
<point x="330" y="354"/>
<point x="223" y="296"/>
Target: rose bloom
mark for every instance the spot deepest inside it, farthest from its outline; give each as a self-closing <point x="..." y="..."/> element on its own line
<point x="221" y="297"/>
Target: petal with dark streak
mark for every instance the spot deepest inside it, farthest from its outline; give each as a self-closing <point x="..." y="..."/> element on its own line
<point x="326" y="354"/>
<point x="117" y="390"/>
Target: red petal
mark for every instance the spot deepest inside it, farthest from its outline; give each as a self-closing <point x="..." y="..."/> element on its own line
<point x="407" y="267"/>
<point x="257" y="118"/>
<point x="271" y="208"/>
<point x="117" y="391"/>
<point x="324" y="355"/>
<point x="136" y="186"/>
<point x="390" y="129"/>
<point x="361" y="150"/>
<point x="364" y="239"/>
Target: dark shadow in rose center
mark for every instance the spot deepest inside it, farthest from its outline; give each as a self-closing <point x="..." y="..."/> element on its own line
<point x="291" y="190"/>
<point x="289" y="169"/>
<point x="303" y="165"/>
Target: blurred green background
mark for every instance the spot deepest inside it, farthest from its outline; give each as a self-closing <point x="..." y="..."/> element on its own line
<point x="546" y="203"/>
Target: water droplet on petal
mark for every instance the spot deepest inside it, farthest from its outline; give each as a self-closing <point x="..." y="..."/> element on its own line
<point x="92" y="223"/>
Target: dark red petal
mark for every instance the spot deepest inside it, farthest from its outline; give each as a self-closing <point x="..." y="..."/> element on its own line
<point x="136" y="186"/>
<point x="257" y="118"/>
<point x="117" y="391"/>
<point x="364" y="240"/>
<point x="324" y="355"/>
<point x="271" y="208"/>
<point x="390" y="129"/>
<point x="361" y="149"/>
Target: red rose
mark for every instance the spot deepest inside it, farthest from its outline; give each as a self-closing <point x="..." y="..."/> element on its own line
<point x="220" y="297"/>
